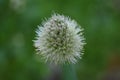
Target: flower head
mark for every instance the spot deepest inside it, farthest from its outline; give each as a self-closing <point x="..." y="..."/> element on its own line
<point x="59" y="40"/>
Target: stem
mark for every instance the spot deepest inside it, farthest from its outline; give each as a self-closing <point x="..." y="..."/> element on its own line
<point x="68" y="72"/>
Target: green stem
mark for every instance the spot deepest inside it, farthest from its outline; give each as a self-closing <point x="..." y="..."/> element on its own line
<point x="68" y="72"/>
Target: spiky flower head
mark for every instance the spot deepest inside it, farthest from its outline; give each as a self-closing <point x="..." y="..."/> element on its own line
<point x="59" y="40"/>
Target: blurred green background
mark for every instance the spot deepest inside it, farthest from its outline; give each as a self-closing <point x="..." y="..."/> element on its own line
<point x="19" y="20"/>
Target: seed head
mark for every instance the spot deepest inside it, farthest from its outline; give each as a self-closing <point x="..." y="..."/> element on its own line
<point x="59" y="40"/>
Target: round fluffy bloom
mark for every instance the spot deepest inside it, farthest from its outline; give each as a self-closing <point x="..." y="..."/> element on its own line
<point x="59" y="40"/>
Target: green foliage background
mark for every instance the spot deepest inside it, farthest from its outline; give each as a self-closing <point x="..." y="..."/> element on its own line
<point x="99" y="18"/>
